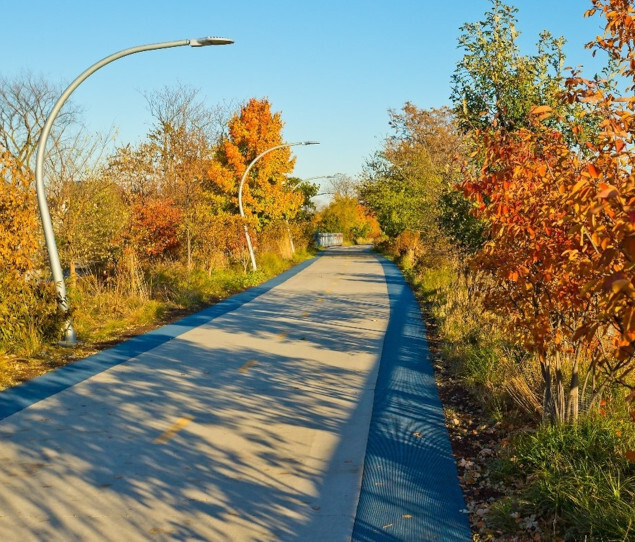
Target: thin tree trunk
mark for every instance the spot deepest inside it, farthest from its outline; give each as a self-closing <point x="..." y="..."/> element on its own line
<point x="72" y="273"/>
<point x="290" y="238"/>
<point x="548" y="412"/>
<point x="189" y="250"/>
<point x="573" y="410"/>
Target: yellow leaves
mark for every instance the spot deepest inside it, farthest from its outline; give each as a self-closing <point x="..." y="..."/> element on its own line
<point x="18" y="242"/>
<point x="592" y="171"/>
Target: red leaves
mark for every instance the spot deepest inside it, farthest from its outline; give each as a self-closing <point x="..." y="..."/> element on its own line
<point x="154" y="228"/>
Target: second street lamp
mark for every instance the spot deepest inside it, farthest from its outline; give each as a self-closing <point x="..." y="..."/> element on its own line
<point x="47" y="225"/>
<point x="240" y="192"/>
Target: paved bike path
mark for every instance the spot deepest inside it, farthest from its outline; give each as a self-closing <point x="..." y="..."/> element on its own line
<point x="248" y="423"/>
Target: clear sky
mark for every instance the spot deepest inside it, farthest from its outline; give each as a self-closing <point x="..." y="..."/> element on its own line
<point x="333" y="68"/>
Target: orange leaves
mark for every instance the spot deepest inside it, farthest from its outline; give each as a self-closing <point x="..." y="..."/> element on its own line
<point x="607" y="191"/>
<point x="619" y="145"/>
<point x="154" y="228"/>
<point x="18" y="241"/>
<point x="541" y="112"/>
<point x="593" y="171"/>
<point x="252" y="131"/>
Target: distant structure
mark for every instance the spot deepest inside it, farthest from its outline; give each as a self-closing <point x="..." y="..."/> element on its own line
<point x="329" y="239"/>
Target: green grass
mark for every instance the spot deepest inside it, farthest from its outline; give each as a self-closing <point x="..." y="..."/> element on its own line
<point x="575" y="477"/>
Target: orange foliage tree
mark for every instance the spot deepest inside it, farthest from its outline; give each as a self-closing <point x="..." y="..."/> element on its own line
<point x="517" y="193"/>
<point x="558" y="196"/>
<point x="266" y="196"/>
<point x="154" y="228"/>
<point x="601" y="203"/>
<point x="28" y="308"/>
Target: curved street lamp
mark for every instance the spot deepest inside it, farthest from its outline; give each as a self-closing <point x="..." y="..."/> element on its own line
<point x="49" y="236"/>
<point x="240" y="192"/>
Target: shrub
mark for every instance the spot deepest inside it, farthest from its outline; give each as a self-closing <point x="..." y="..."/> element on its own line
<point x="29" y="315"/>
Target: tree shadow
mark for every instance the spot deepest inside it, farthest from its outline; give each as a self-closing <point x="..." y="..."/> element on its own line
<point x="252" y="422"/>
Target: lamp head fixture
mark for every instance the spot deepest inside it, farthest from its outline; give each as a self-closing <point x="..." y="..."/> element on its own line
<point x="210" y="40"/>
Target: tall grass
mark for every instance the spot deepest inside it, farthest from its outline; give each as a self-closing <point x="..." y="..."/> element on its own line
<point x="110" y="310"/>
<point x="29" y="315"/>
<point x="104" y="311"/>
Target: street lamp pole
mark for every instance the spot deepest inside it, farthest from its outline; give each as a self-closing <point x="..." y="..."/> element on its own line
<point x="240" y="192"/>
<point x="49" y="236"/>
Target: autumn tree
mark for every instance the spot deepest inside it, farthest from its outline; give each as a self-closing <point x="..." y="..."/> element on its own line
<point x="18" y="242"/>
<point x="556" y="193"/>
<point x="91" y="219"/>
<point x="346" y="215"/>
<point x="601" y="198"/>
<point x="266" y="197"/>
<point x="504" y="102"/>
<point x="405" y="181"/>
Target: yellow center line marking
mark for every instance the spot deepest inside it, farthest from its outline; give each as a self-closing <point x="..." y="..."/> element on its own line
<point x="173" y="430"/>
<point x="282" y="334"/>
<point x="247" y="366"/>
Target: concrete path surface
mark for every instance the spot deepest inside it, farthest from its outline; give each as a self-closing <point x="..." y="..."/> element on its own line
<point x="248" y="421"/>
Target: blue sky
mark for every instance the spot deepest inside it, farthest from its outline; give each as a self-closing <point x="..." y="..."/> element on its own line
<point x="331" y="67"/>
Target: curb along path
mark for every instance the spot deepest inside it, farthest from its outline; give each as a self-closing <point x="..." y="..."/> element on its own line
<point x="410" y="488"/>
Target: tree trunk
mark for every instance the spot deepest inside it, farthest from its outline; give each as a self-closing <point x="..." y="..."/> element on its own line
<point x="573" y="409"/>
<point x="548" y="411"/>
<point x="560" y="400"/>
<point x="290" y="239"/>
<point x="189" y="250"/>
<point x="72" y="273"/>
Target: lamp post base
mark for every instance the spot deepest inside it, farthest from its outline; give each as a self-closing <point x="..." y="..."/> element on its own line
<point x="70" y="338"/>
